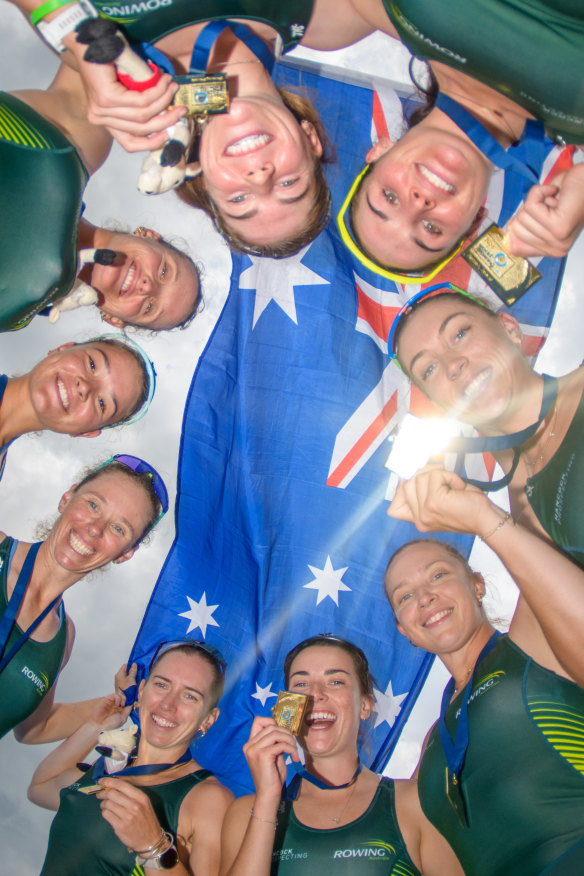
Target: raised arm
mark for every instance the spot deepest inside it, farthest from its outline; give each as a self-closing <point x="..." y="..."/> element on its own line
<point x="133" y="118"/>
<point x="247" y="839"/>
<point x="548" y="623"/>
<point x="58" y="769"/>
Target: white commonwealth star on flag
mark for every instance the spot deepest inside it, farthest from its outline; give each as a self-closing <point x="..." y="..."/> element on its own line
<point x="327" y="581"/>
<point x="200" y="614"/>
<point x="263" y="693"/>
<point x="387" y="705"/>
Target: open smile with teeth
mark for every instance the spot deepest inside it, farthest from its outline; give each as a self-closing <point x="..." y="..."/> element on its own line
<point x="245" y="145"/>
<point x="320" y="718"/>
<point x="437" y="617"/>
<point x="436" y="180"/>
<point x="63" y="394"/>
<point x="129" y="281"/>
<point x="475" y="385"/>
<point x="162" y="722"/>
<point x="79" y="546"/>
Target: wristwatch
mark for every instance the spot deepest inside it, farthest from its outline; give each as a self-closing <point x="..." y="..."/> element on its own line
<point x="166" y="861"/>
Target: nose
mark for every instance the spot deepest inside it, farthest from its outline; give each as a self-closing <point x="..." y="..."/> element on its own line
<point x="319" y="692"/>
<point x="421" y="200"/>
<point x="425" y="596"/>
<point x="82" y="387"/>
<point x="261" y="175"/>
<point x="96" y="527"/>
<point x="455" y="366"/>
<point x="146" y="284"/>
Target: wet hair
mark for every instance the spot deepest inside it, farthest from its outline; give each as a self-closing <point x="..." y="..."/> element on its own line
<point x="446" y="546"/>
<point x="194" y="192"/>
<point x="483" y="306"/>
<point x="218" y="676"/>
<point x="144" y="386"/>
<point x="428" y="91"/>
<point x="360" y="662"/>
<point x="141" y="478"/>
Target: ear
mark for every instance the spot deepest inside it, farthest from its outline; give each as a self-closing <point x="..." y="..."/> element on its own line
<point x="62" y="347"/>
<point x="127" y="555"/>
<point x="94" y="434"/>
<point x="383" y="145"/>
<point x="193" y="169"/>
<point x="312" y="136"/>
<point x="479" y="586"/>
<point x="65" y="498"/>
<point x="367" y="704"/>
<point x="147" y="233"/>
<point x="512" y="327"/>
<point x="140" y="689"/>
<point x="209" y="720"/>
<point x="112" y="320"/>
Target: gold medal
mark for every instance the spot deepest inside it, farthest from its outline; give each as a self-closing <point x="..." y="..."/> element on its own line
<point x="455" y="798"/>
<point x="202" y="95"/>
<point x="507" y="275"/>
<point x="289" y="710"/>
<point x="91" y="789"/>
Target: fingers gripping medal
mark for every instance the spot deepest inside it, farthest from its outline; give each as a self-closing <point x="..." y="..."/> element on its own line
<point x="289" y="710"/>
<point x="508" y="276"/>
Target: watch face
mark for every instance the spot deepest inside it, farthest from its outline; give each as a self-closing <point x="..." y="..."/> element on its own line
<point x="169" y="859"/>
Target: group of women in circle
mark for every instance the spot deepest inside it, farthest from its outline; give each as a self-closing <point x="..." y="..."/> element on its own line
<point x="500" y="784"/>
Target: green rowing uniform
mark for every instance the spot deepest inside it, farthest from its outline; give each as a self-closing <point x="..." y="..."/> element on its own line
<point x="555" y="492"/>
<point x="532" y="51"/>
<point x="33" y="670"/>
<point x="42" y="185"/>
<point x="150" y="20"/>
<point x="372" y="845"/>
<point x="82" y="843"/>
<point x="523" y="775"/>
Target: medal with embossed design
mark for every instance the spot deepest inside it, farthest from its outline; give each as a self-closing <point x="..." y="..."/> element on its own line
<point x="508" y="276"/>
<point x="289" y="710"/>
<point x="202" y="95"/>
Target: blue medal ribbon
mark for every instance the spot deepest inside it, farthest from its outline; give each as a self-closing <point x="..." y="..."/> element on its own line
<point x="302" y="773"/>
<point x="494" y="443"/>
<point x="146" y="769"/>
<point x="13" y="606"/>
<point x="456" y="751"/>
<point x="507" y="159"/>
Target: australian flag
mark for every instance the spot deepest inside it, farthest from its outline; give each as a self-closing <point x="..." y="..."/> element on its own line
<point x="282" y="530"/>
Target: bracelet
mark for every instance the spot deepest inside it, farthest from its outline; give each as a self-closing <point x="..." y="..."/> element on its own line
<point x="45" y="9"/>
<point x="500" y="524"/>
<point x="264" y="820"/>
<point x="58" y="28"/>
<point x="151" y="850"/>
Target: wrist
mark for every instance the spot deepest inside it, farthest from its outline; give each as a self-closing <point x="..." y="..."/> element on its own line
<point x="162" y="855"/>
<point x="503" y="518"/>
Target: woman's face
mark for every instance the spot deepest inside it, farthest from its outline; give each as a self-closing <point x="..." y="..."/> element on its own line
<point x="99" y="523"/>
<point x="434" y="599"/>
<point x="420" y="198"/>
<point x="337" y="706"/>
<point x="174" y="700"/>
<point x="81" y="388"/>
<point x="258" y="164"/>
<point x="466" y="360"/>
<point x="150" y="285"/>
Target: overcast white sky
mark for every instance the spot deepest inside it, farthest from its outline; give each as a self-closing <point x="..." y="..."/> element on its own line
<point x="108" y="606"/>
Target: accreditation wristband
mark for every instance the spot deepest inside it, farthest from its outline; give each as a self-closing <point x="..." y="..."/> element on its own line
<point x="56" y="30"/>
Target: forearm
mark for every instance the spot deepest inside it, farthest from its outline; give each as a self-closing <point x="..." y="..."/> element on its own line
<point x="551" y="584"/>
<point x="68" y="753"/>
<point x="254" y="857"/>
<point x="61" y="721"/>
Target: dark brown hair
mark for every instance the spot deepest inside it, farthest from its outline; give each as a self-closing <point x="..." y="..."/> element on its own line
<point x="194" y="192"/>
<point x="358" y="657"/>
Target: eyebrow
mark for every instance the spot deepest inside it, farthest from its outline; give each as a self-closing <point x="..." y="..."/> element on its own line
<point x="442" y="328"/>
<point x="254" y="210"/>
<point x="326" y="672"/>
<point x="106" y="364"/>
<point x="387" y="218"/>
<point x="186" y="686"/>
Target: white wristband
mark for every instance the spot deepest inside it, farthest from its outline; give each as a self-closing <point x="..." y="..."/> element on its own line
<point x="56" y="30"/>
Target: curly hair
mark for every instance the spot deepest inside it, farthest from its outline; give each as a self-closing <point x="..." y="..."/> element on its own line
<point x="194" y="192"/>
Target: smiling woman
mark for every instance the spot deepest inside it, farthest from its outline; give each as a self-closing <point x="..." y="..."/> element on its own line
<point x="334" y="803"/>
<point x="164" y="812"/>
<point x="78" y="389"/>
<point x="469" y="361"/>
<point x="49" y="148"/>
<point x="102" y="519"/>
